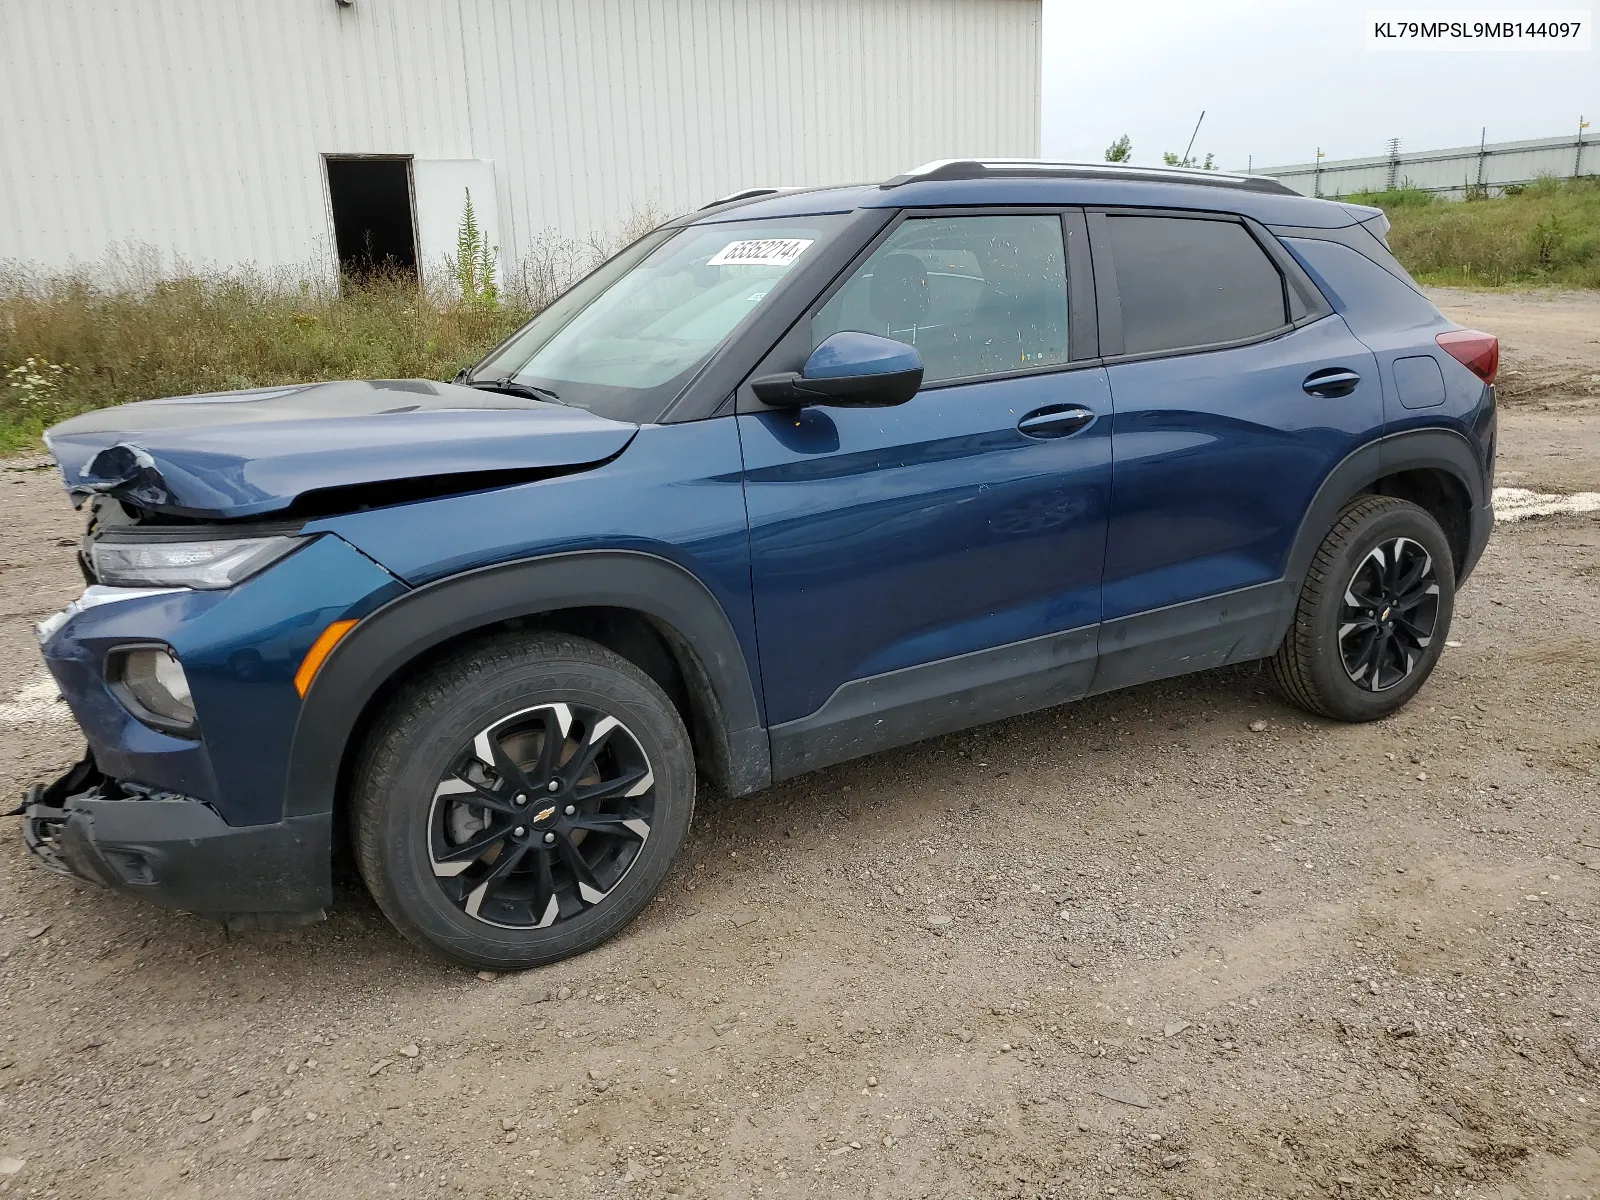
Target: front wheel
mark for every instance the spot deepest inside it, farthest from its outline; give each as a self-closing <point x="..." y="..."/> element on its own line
<point x="1373" y="613"/>
<point x="522" y="801"/>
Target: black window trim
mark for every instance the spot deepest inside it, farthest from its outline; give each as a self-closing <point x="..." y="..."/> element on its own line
<point x="1293" y="279"/>
<point x="1082" y="330"/>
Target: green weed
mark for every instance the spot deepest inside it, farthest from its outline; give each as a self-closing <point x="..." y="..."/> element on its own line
<point x="1547" y="234"/>
<point x="68" y="344"/>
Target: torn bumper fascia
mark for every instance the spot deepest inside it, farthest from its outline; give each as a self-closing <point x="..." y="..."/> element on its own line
<point x="176" y="851"/>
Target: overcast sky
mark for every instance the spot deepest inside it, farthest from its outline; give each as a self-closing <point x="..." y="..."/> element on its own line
<point x="1279" y="78"/>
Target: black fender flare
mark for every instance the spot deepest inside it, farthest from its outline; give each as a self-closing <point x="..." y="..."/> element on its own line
<point x="383" y="643"/>
<point x="1418" y="449"/>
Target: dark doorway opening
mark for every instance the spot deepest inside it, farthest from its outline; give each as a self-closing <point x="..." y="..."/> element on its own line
<point x="373" y="229"/>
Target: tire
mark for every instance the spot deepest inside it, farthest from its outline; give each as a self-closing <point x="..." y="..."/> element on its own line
<point x="465" y="827"/>
<point x="1364" y="639"/>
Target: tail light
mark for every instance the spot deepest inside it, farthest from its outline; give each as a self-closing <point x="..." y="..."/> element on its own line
<point x="1477" y="352"/>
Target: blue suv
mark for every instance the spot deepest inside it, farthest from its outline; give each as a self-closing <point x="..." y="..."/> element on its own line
<point x="792" y="479"/>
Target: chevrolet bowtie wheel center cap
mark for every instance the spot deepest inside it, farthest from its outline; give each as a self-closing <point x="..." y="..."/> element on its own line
<point x="501" y="860"/>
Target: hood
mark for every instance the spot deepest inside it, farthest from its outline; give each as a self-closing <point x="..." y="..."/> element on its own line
<point x="250" y="453"/>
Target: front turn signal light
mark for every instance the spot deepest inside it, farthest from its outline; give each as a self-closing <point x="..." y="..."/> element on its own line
<point x="320" y="649"/>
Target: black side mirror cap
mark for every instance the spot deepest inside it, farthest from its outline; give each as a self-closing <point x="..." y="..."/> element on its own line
<point x="783" y="390"/>
<point x="848" y="370"/>
<point x="790" y="389"/>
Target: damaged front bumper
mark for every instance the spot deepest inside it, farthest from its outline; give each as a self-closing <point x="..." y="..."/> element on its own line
<point x="199" y="819"/>
<point x="177" y="851"/>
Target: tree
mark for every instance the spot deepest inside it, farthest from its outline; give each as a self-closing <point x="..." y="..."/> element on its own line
<point x="1172" y="160"/>
<point x="1120" y="151"/>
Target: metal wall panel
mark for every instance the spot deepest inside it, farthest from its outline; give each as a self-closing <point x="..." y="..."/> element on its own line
<point x="628" y="106"/>
<point x="168" y="131"/>
<point x="196" y="130"/>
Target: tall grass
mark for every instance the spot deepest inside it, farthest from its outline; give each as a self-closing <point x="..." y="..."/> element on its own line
<point x="68" y="345"/>
<point x="124" y="331"/>
<point x="1545" y="235"/>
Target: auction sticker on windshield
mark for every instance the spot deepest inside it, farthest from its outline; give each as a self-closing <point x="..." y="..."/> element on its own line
<point x="760" y="252"/>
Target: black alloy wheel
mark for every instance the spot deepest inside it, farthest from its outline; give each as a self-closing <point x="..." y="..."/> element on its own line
<point x="1373" y="612"/>
<point x="522" y="799"/>
<point x="541" y="815"/>
<point x="1389" y="613"/>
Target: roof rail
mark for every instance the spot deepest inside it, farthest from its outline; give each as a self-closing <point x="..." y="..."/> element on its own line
<point x="749" y="194"/>
<point x="1034" y="168"/>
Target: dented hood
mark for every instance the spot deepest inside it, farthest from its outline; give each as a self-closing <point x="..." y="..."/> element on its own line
<point x="248" y="453"/>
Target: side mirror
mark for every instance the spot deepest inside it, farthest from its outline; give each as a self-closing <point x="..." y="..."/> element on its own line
<point x="849" y="370"/>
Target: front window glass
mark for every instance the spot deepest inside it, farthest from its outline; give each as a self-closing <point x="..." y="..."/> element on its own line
<point x="625" y="341"/>
<point x="974" y="295"/>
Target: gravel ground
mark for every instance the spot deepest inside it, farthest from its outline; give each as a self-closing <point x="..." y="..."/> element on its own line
<point x="1180" y="941"/>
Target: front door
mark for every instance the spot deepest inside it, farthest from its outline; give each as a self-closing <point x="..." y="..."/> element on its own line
<point x="924" y="567"/>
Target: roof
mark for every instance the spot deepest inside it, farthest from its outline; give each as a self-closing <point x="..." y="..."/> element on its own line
<point x="956" y="182"/>
<point x="1037" y="168"/>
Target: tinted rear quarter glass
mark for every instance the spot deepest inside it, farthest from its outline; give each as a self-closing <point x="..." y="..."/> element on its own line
<point x="1187" y="281"/>
<point x="1371" y="299"/>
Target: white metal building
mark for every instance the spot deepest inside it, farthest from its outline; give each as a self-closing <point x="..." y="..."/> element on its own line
<point x="228" y="132"/>
<point x="1490" y="166"/>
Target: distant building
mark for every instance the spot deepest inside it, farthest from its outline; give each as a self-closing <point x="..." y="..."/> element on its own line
<point x="292" y="134"/>
<point x="1486" y="169"/>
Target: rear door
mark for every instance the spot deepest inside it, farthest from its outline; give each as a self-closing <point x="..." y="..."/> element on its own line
<point x="1235" y="390"/>
<point x="924" y="567"/>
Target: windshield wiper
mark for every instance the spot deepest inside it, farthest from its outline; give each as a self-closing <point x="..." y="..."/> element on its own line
<point x="511" y="387"/>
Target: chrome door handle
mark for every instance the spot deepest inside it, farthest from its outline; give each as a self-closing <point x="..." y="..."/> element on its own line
<point x="1056" y="420"/>
<point x="1335" y="381"/>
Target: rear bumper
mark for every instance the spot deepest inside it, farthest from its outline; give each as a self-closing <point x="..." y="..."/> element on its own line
<point x="1481" y="525"/>
<point x="176" y="851"/>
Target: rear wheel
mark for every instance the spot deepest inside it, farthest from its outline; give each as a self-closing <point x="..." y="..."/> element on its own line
<point x="522" y="801"/>
<point x="1373" y="613"/>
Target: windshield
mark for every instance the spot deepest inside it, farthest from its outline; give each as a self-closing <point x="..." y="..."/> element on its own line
<point x="625" y="341"/>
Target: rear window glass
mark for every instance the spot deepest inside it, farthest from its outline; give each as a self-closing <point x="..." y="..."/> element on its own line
<point x="1188" y="282"/>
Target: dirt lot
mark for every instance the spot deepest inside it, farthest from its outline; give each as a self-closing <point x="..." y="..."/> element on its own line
<point x="1180" y="941"/>
<point x="1549" y="382"/>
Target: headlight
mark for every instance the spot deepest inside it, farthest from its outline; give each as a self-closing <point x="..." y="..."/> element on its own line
<point x="210" y="564"/>
<point x="150" y="683"/>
